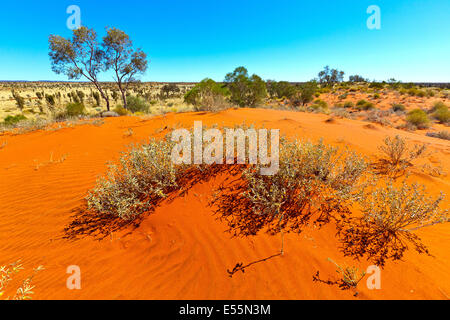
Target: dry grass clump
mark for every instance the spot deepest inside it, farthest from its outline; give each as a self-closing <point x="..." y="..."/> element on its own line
<point x="24" y="291"/>
<point x="396" y="156"/>
<point x="445" y="135"/>
<point x="390" y="217"/>
<point x="350" y="276"/>
<point x="314" y="180"/>
<point x="144" y="175"/>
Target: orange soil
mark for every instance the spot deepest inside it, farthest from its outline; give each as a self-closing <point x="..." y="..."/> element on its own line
<point x="181" y="251"/>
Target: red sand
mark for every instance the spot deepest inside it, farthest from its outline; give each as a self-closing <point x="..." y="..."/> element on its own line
<point x="181" y="251"/>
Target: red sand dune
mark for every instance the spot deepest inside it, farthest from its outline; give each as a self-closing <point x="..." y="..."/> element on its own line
<point x="182" y="251"/>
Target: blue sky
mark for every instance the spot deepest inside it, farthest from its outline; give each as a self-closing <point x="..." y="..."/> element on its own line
<point x="282" y="40"/>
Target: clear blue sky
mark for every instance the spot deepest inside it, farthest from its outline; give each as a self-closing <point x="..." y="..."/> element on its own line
<point x="282" y="40"/>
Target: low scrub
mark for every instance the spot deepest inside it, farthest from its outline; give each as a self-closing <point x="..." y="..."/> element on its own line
<point x="364" y="105"/>
<point x="444" y="135"/>
<point x="391" y="215"/>
<point x="396" y="156"/>
<point x="143" y="176"/>
<point x="313" y="182"/>
<point x="418" y="118"/>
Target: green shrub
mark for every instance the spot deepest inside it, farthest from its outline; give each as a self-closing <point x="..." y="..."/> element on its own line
<point x="12" y="120"/>
<point x="207" y="95"/>
<point x="137" y="104"/>
<point x="418" y="118"/>
<point x="75" y="109"/>
<point x="398" y="107"/>
<point x="364" y="105"/>
<point x="121" y="111"/>
<point x="349" y="105"/>
<point x="246" y="91"/>
<point x="442" y="114"/>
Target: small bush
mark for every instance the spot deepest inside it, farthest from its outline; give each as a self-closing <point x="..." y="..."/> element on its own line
<point x="418" y="118"/>
<point x="390" y="217"/>
<point x="144" y="175"/>
<point x="364" y="105"/>
<point x="12" y="120"/>
<point x="441" y="112"/>
<point x="313" y="181"/>
<point x="349" y="105"/>
<point x="137" y="104"/>
<point x="121" y="111"/>
<point x="396" y="156"/>
<point x="398" y="107"/>
<point x="75" y="109"/>
<point x="445" y="135"/>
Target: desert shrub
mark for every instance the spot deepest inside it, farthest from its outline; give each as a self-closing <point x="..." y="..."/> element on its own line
<point x="441" y="112"/>
<point x="418" y="118"/>
<point x="96" y="96"/>
<point x="313" y="182"/>
<point x="390" y="217"/>
<point x="143" y="176"/>
<point x="306" y="93"/>
<point x="445" y="135"/>
<point x="50" y="100"/>
<point x="12" y="120"/>
<point x="20" y="101"/>
<point x="376" y="96"/>
<point x="379" y="116"/>
<point x="319" y="105"/>
<point x="376" y="85"/>
<point x="75" y="109"/>
<point x="397" y="156"/>
<point x="349" y="105"/>
<point x="398" y="107"/>
<point x="282" y="89"/>
<point x="364" y="105"/>
<point x="169" y="90"/>
<point x="207" y="95"/>
<point x="121" y="111"/>
<point x="137" y="104"/>
<point x="246" y="91"/>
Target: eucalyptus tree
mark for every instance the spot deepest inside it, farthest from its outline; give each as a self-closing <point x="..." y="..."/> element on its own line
<point x="125" y="61"/>
<point x="79" y="56"/>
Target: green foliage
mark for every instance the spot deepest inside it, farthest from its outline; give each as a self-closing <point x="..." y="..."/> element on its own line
<point x="319" y="105"/>
<point x="349" y="105"/>
<point x="441" y="112"/>
<point x="207" y="95"/>
<point x="137" y="104"/>
<point x="245" y="91"/>
<point x="282" y="89"/>
<point x="20" y="101"/>
<point x="306" y="93"/>
<point x="330" y="77"/>
<point x="96" y="96"/>
<point x="169" y="90"/>
<point x="12" y="120"/>
<point x="50" y="100"/>
<point x="364" y="105"/>
<point x="418" y="118"/>
<point x="398" y="107"/>
<point x="121" y="111"/>
<point x="75" y="109"/>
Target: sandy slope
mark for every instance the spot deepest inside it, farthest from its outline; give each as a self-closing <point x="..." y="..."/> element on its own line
<point x="181" y="251"/>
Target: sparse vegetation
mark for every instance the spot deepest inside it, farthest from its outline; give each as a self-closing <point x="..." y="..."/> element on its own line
<point x="418" y="118"/>
<point x="397" y="156"/>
